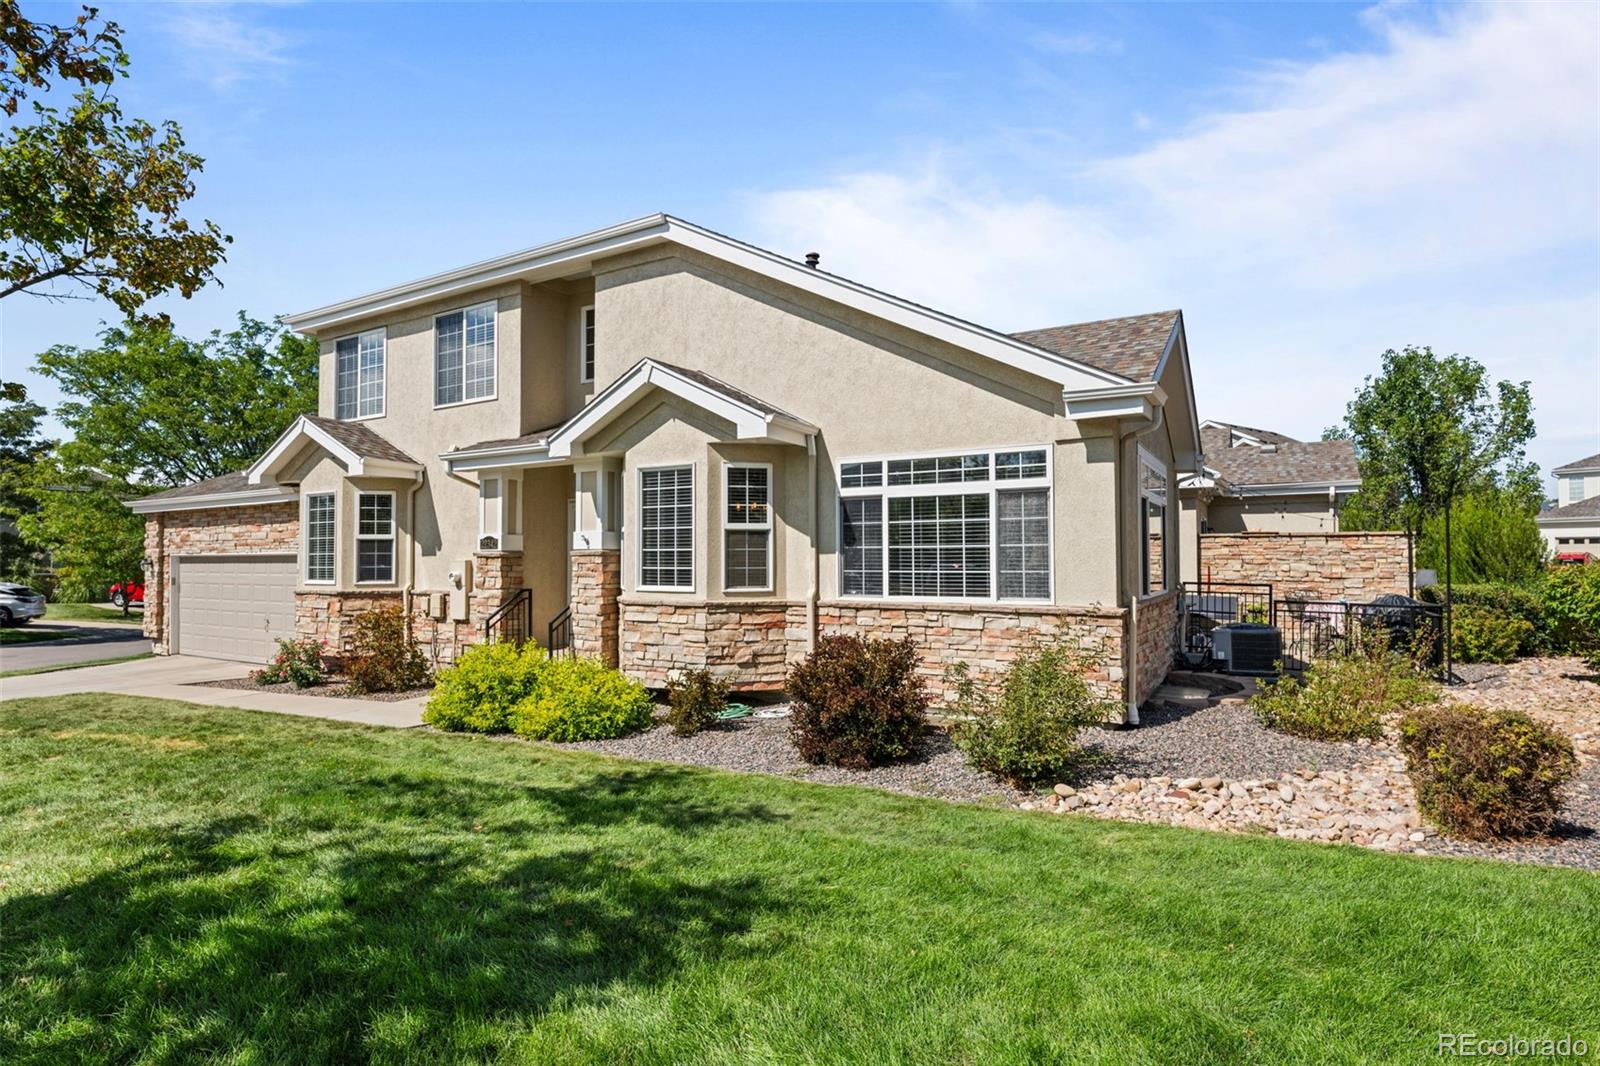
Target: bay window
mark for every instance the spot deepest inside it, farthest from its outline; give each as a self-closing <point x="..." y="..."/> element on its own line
<point x="971" y="526"/>
<point x="747" y="527"/>
<point x="374" y="537"/>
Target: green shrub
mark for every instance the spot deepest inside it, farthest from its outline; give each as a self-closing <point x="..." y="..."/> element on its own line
<point x="1572" y="609"/>
<point x="694" y="700"/>
<point x="478" y="693"/>
<point x="1514" y="601"/>
<point x="1027" y="730"/>
<point x="384" y="656"/>
<point x="1480" y="635"/>
<point x="298" y="662"/>
<point x="1344" y="697"/>
<point x="1484" y="774"/>
<point x="581" y="699"/>
<point x="857" y="702"/>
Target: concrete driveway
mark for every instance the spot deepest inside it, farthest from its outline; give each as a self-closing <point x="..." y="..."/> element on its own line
<point x="81" y="642"/>
<point x="181" y="677"/>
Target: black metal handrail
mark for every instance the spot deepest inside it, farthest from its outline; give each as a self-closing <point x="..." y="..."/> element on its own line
<point x="512" y="621"/>
<point x="560" y="641"/>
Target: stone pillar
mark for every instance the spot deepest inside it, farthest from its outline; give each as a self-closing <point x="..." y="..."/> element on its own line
<point x="496" y="577"/>
<point x="155" y="582"/>
<point x="596" y="585"/>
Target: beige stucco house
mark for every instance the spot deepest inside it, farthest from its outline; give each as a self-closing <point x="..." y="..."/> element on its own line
<point x="1572" y="526"/>
<point x="695" y="452"/>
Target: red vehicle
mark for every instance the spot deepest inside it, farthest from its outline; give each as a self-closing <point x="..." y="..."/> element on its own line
<point x="124" y="593"/>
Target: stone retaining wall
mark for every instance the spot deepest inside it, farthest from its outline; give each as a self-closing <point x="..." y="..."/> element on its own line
<point x="1322" y="566"/>
<point x="261" y="529"/>
<point x="1157" y="642"/>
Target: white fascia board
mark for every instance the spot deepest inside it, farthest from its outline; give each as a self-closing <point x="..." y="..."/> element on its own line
<point x="270" y="494"/>
<point x="1577" y="520"/>
<point x="499" y="458"/>
<point x="1301" y="488"/>
<point x="1121" y="401"/>
<point x="265" y="469"/>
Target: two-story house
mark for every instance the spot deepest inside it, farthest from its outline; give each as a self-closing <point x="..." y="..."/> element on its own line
<point x="1572" y="527"/>
<point x="683" y="450"/>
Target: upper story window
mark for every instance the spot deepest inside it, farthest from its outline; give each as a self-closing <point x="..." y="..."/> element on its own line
<point x="1153" y="523"/>
<point x="359" y="376"/>
<point x="747" y="528"/>
<point x="375" y="537"/>
<point x="319" y="538"/>
<point x="464" y="355"/>
<point x="586" y="344"/>
<point x="1574" y="488"/>
<point x="963" y="526"/>
<point x="666" y="528"/>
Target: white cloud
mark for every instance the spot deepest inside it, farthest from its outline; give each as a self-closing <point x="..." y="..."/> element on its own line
<point x="1439" y="188"/>
<point x="224" y="44"/>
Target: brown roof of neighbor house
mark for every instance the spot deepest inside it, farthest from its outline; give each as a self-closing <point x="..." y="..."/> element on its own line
<point x="1128" y="347"/>
<point x="233" y="482"/>
<point x="1589" y="508"/>
<point x="1266" y="436"/>
<point x="1591" y="463"/>
<point x="1284" y="461"/>
<point x="359" y="439"/>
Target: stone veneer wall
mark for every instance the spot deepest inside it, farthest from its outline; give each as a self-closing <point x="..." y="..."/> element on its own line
<point x="262" y="529"/>
<point x="1157" y="642"/>
<point x="988" y="637"/>
<point x="752" y="641"/>
<point x="596" y="587"/>
<point x="1323" y="566"/>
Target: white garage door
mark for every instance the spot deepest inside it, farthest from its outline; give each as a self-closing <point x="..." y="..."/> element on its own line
<point x="234" y="606"/>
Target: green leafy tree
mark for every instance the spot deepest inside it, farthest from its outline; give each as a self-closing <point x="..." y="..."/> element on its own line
<point x="21" y="447"/>
<point x="1495" y="539"/>
<point x="148" y="406"/>
<point x="87" y="195"/>
<point x="94" y="540"/>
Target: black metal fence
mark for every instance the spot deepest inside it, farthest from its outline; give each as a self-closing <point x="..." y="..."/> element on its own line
<point x="512" y="622"/>
<point x="1301" y="631"/>
<point x="560" y="638"/>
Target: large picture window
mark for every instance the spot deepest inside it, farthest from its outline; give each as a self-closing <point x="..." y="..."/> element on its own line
<point x="747" y="528"/>
<point x="666" y="528"/>
<point x="358" y="376"/>
<point x="319" y="537"/>
<point x="463" y="356"/>
<point x="375" y="537"/>
<point x="973" y="525"/>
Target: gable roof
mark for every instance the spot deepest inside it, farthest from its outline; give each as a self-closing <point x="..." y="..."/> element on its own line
<point x="1591" y="463"/>
<point x="1131" y="348"/>
<point x="1262" y="436"/>
<point x="573" y="255"/>
<point x="360" y="450"/>
<point x="1589" y="508"/>
<point x="226" y="490"/>
<point x="1283" y="461"/>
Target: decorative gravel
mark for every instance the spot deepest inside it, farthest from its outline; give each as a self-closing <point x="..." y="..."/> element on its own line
<point x="335" y="688"/>
<point x="762" y="746"/>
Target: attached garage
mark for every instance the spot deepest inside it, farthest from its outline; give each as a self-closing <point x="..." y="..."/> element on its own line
<point x="232" y="606"/>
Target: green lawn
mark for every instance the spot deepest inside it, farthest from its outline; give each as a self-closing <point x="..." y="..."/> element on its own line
<point x="88" y="612"/>
<point x="181" y="883"/>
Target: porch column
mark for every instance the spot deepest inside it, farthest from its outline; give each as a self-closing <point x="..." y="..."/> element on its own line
<point x="596" y="557"/>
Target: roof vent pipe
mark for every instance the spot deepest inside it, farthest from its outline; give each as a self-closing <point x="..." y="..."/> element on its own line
<point x="812" y="259"/>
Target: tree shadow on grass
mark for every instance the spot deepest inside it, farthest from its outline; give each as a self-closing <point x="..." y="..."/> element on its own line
<point x="407" y="925"/>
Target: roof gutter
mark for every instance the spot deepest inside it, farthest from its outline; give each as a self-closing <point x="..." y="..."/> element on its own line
<point x="159" y="504"/>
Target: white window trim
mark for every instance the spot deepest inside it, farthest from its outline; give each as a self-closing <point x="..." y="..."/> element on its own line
<point x="383" y="401"/>
<point x="393" y="537"/>
<point x="992" y="486"/>
<point x="583" y="342"/>
<point x="494" y="306"/>
<point x="305" y="540"/>
<point x="747" y="527"/>
<point x="694" y="531"/>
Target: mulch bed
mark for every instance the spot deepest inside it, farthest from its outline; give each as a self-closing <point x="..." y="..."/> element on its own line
<point x="334" y="687"/>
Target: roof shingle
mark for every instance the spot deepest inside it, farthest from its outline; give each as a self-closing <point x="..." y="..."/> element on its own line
<point x="1286" y="462"/>
<point x="1591" y="463"/>
<point x="1127" y="347"/>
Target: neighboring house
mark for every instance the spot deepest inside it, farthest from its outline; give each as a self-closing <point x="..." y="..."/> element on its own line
<point x="1258" y="481"/>
<point x="1572" y="527"/>
<point x="709" y="454"/>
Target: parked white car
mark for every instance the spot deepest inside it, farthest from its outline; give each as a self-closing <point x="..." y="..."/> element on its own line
<point x="19" y="604"/>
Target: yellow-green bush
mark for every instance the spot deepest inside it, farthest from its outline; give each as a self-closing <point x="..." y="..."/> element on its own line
<point x="478" y="693"/>
<point x="1481" y="635"/>
<point x="581" y="699"/>
<point x="1345" y="697"/>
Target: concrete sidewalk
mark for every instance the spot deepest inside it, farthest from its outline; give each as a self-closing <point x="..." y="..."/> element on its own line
<point x="182" y="677"/>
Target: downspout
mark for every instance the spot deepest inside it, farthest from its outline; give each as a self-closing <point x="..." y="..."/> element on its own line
<point x="411" y="548"/>
<point x="1130" y="647"/>
<point x="815" y="566"/>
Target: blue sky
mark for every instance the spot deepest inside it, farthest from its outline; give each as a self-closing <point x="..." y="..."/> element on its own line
<point x="1311" y="184"/>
